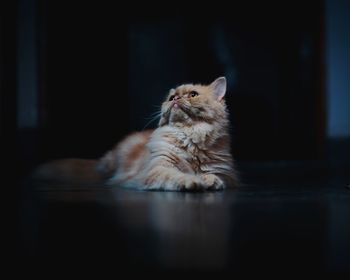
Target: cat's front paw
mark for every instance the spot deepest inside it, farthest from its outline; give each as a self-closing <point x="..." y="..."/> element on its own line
<point x="190" y="183"/>
<point x="212" y="182"/>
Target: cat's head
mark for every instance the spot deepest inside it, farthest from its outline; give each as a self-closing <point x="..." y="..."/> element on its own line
<point x="190" y="103"/>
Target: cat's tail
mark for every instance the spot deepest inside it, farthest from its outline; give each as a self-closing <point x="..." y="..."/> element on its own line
<point x="75" y="172"/>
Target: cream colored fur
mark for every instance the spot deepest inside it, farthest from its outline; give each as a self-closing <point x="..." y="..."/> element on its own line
<point x="190" y="150"/>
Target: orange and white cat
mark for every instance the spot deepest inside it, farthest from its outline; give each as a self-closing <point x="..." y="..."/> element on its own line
<point x="190" y="149"/>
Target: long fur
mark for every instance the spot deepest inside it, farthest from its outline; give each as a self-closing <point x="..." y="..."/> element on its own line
<point x="190" y="149"/>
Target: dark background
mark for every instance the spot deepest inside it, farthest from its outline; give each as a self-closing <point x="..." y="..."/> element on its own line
<point x="77" y="77"/>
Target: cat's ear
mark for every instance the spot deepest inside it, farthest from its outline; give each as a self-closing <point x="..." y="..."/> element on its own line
<point x="219" y="88"/>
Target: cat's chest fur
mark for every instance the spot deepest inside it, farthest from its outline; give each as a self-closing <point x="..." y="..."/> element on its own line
<point x="190" y="138"/>
<point x="191" y="144"/>
<point x="197" y="136"/>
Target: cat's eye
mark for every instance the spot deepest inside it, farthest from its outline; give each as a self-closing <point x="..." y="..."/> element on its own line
<point x="193" y="94"/>
<point x="171" y="98"/>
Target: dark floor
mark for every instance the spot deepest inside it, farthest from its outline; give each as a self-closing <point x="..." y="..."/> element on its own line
<point x="275" y="225"/>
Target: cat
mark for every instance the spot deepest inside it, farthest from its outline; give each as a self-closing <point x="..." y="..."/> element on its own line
<point x="188" y="151"/>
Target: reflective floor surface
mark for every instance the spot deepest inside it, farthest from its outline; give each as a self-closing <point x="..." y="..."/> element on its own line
<point x="275" y="226"/>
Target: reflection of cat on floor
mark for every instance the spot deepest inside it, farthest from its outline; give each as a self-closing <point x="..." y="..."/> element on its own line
<point x="190" y="149"/>
<point x="190" y="230"/>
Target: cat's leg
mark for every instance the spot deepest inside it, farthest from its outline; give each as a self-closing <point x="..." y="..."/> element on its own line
<point x="212" y="182"/>
<point x="171" y="179"/>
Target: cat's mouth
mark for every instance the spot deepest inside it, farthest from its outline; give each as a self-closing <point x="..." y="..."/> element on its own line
<point x="174" y="109"/>
<point x="177" y="109"/>
<point x="180" y="112"/>
<point x="175" y="105"/>
<point x="183" y="107"/>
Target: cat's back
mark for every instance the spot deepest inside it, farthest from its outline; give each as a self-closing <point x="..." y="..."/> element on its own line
<point x="125" y="155"/>
<point x="134" y="142"/>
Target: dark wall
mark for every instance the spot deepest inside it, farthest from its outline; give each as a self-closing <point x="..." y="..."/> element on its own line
<point x="85" y="78"/>
<point x="8" y="81"/>
<point x="103" y="71"/>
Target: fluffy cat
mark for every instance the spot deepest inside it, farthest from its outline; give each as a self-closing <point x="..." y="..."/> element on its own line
<point x="190" y="149"/>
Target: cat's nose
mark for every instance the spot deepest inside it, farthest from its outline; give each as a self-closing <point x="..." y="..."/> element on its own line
<point x="176" y="97"/>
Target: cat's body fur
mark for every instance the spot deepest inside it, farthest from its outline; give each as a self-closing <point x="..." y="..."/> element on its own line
<point x="190" y="150"/>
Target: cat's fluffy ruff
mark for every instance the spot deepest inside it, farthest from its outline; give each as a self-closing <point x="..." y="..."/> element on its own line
<point x="190" y="150"/>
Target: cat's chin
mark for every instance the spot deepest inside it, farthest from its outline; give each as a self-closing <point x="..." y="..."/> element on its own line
<point x="178" y="116"/>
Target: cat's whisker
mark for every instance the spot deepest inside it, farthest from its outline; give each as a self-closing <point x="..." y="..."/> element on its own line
<point x="157" y="113"/>
<point x="152" y="120"/>
<point x="153" y="116"/>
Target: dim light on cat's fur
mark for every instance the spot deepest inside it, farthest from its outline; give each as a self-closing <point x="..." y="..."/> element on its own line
<point x="190" y="149"/>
